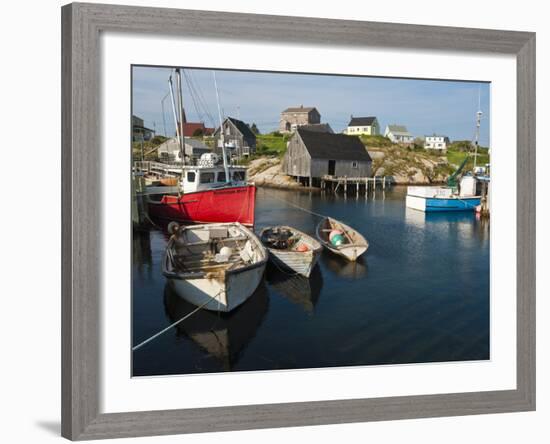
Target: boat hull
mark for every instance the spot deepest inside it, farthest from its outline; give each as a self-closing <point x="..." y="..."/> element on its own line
<point x="223" y="293"/>
<point x="350" y="253"/>
<point x="227" y="204"/>
<point x="301" y="263"/>
<point x="442" y="204"/>
<point x="205" y="281"/>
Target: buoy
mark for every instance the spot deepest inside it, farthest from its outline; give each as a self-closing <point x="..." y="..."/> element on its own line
<point x="337" y="240"/>
<point x="226" y="251"/>
<point x="302" y="248"/>
<point x="334" y="233"/>
<point x="173" y="227"/>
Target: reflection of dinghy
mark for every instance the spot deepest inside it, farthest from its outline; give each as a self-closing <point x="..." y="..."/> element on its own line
<point x="217" y="266"/>
<point x="341" y="239"/>
<point x="222" y="335"/>
<point x="297" y="289"/>
<point x="291" y="248"/>
<point x="345" y="269"/>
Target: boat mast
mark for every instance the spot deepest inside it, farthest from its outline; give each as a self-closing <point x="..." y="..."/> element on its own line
<point x="225" y="167"/>
<point x="181" y="113"/>
<point x="478" y="124"/>
<point x="171" y="88"/>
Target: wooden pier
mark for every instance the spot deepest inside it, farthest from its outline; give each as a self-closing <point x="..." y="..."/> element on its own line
<point x="158" y="168"/>
<point x="353" y="184"/>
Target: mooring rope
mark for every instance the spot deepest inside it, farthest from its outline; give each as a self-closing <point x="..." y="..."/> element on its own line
<point x="156" y="335"/>
<point x="297" y="206"/>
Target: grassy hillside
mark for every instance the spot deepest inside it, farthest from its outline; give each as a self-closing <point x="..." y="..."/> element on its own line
<point x="272" y="144"/>
<point x="455" y="158"/>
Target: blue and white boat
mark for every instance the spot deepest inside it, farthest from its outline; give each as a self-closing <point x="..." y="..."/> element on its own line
<point x="431" y="199"/>
<point x="465" y="196"/>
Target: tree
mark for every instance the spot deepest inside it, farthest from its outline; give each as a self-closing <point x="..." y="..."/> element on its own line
<point x="198" y="132"/>
<point x="254" y="129"/>
<point x="418" y="142"/>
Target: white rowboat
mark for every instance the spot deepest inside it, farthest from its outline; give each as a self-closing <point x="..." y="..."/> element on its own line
<point x="291" y="248"/>
<point x="354" y="244"/>
<point x="214" y="266"/>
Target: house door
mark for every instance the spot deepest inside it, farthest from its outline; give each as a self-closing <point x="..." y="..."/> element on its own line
<point x="331" y="167"/>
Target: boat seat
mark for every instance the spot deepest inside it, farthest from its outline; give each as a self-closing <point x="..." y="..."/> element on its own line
<point x="206" y="242"/>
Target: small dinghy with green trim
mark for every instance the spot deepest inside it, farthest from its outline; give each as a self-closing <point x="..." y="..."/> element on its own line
<point x="341" y="239"/>
<point x="291" y="248"/>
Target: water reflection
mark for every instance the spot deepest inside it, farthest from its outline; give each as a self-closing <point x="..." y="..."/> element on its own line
<point x="465" y="223"/>
<point x="142" y="254"/>
<point x="419" y="294"/>
<point x="221" y="335"/>
<point x="343" y="268"/>
<point x="297" y="289"/>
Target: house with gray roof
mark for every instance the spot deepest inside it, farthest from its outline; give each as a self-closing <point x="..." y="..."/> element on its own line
<point x="319" y="127"/>
<point x="399" y="134"/>
<point x="170" y="151"/>
<point x="237" y="135"/>
<point x="358" y="126"/>
<point x="294" y="117"/>
<point x="314" y="154"/>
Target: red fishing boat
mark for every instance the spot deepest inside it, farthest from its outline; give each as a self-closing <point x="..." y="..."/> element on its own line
<point x="207" y="198"/>
<point x="210" y="190"/>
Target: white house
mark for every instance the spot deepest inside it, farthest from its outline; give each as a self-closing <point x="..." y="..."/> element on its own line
<point x="436" y="142"/>
<point x="399" y="134"/>
<point x="363" y="125"/>
<point x="170" y="152"/>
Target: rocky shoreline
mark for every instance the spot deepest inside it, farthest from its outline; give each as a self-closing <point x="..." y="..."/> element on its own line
<point x="266" y="172"/>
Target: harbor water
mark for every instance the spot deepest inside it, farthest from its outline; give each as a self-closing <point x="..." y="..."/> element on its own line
<point x="419" y="294"/>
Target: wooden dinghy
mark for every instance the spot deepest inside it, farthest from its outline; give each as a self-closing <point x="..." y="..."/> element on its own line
<point x="349" y="243"/>
<point x="291" y="248"/>
<point x="217" y="266"/>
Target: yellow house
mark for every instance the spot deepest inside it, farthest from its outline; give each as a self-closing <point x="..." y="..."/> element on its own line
<point x="363" y="125"/>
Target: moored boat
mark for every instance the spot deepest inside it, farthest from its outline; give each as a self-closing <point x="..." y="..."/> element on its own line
<point x="341" y="239"/>
<point x="214" y="266"/>
<point x="225" y="203"/>
<point x="437" y="199"/>
<point x="210" y="190"/>
<point x="462" y="192"/>
<point x="291" y="248"/>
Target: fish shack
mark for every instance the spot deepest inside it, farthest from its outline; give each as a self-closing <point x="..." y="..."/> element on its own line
<point x="313" y="155"/>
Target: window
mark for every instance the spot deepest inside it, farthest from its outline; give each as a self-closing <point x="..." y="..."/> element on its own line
<point x="238" y="176"/>
<point x="207" y="177"/>
<point x="191" y="176"/>
<point x="221" y="176"/>
<point x="354" y="164"/>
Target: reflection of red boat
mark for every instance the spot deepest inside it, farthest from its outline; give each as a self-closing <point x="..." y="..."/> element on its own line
<point x="225" y="204"/>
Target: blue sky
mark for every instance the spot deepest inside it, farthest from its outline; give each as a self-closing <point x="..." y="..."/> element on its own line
<point x="424" y="106"/>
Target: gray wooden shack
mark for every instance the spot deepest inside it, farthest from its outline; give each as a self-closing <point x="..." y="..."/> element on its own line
<point x="311" y="155"/>
<point x="237" y="133"/>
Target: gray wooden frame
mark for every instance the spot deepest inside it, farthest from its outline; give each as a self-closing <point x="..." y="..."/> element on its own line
<point x="81" y="163"/>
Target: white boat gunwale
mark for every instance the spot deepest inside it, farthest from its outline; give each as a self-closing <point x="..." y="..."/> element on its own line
<point x="203" y="274"/>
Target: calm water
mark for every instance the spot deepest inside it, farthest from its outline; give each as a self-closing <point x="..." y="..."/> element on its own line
<point x="419" y="294"/>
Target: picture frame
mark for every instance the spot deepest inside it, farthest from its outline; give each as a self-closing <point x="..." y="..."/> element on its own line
<point x="81" y="239"/>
